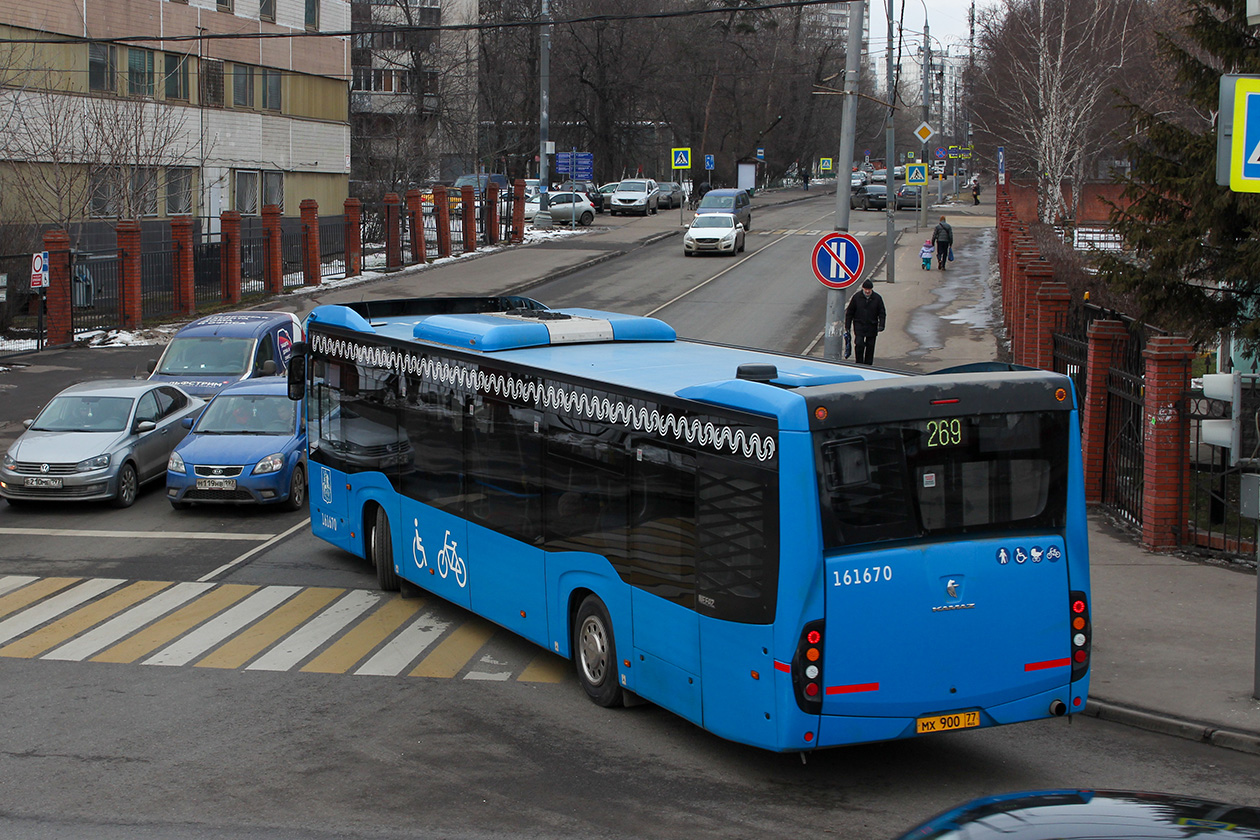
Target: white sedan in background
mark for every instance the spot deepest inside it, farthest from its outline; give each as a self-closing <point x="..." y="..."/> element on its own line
<point x="714" y="233"/>
<point x="565" y="207"/>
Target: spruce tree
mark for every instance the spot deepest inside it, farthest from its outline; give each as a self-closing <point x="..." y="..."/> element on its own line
<point x="1193" y="247"/>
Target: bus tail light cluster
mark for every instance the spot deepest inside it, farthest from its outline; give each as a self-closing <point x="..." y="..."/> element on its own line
<point x="1082" y="633"/>
<point x="807" y="666"/>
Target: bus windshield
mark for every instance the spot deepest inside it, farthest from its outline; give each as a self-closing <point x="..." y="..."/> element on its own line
<point x="901" y="480"/>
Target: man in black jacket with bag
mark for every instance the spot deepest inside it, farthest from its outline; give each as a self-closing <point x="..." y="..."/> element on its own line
<point x="943" y="237"/>
<point x="865" y="315"/>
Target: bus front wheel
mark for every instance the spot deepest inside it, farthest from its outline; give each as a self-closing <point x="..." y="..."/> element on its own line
<point x="596" y="653"/>
<point x="383" y="553"/>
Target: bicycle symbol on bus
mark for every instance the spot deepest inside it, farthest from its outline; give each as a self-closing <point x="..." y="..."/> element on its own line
<point x="448" y="559"/>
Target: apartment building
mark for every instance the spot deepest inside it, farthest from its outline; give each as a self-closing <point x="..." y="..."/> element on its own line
<point x="147" y="109"/>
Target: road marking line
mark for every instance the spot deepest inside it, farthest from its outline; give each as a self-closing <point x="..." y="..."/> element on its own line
<point x="455" y="650"/>
<point x="28" y="595"/>
<point x="127" y="623"/>
<point x="272" y="540"/>
<point x="155" y="635"/>
<point x="11" y="582"/>
<point x="315" y="633"/>
<point x="136" y="535"/>
<point x="363" y="637"/>
<point x="282" y="621"/>
<point x="55" y="607"/>
<point x="74" y="624"/>
<point x="406" y="647"/>
<point x="225" y="624"/>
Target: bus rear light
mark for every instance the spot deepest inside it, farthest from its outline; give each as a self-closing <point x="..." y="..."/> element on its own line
<point x="1082" y="633"/>
<point x="806" y="669"/>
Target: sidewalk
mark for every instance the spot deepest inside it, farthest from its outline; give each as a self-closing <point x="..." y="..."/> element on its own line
<point x="1174" y="639"/>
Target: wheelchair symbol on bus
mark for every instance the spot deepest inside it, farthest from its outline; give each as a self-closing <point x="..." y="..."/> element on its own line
<point x="417" y="548"/>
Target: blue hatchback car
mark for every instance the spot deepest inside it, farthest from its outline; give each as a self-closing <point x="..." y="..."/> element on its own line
<point x="247" y="447"/>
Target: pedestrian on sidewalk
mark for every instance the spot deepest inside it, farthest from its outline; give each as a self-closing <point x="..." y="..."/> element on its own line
<point x="975" y="193"/>
<point x="865" y="316"/>
<point x="943" y="239"/>
<point x="925" y="254"/>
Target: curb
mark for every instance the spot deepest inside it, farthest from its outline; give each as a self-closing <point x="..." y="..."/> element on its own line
<point x="1248" y="742"/>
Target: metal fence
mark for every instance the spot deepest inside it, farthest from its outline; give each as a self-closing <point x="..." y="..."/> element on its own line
<point x="332" y="248"/>
<point x="157" y="283"/>
<point x="19" y="308"/>
<point x="94" y="282"/>
<point x="207" y="271"/>
<point x="1211" y="485"/>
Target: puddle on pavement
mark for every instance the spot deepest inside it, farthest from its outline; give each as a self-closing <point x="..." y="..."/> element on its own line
<point x="963" y="297"/>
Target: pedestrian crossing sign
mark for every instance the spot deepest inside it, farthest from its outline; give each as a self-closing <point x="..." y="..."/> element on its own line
<point x="682" y="158"/>
<point x="1244" y="168"/>
<point x="824" y="164"/>
<point x="916" y="173"/>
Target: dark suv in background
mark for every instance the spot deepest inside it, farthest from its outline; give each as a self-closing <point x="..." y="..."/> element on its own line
<point x="588" y="189"/>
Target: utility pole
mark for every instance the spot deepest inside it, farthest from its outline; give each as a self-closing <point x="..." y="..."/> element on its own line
<point x="927" y="109"/>
<point x="890" y="153"/>
<point x="544" y="113"/>
<point x="833" y="334"/>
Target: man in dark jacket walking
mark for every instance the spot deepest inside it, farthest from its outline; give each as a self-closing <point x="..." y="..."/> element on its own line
<point x="943" y="237"/>
<point x="865" y="316"/>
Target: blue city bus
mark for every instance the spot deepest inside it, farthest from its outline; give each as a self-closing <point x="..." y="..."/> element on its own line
<point x="789" y="552"/>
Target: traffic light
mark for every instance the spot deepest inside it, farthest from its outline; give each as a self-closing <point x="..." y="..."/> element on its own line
<point x="1226" y="433"/>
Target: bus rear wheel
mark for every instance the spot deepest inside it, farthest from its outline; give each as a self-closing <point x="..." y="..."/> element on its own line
<point x="383" y="553"/>
<point x="596" y="653"/>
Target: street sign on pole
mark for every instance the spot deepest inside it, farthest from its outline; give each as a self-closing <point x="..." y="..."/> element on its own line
<point x="1244" y="166"/>
<point x="917" y="174"/>
<point x="761" y="153"/>
<point x="924" y="132"/>
<point x="940" y="153"/>
<point x="681" y="158"/>
<point x="708" y="162"/>
<point x="39" y="270"/>
<point x="1001" y="164"/>
<point x="824" y="164"/>
<point x="838" y="260"/>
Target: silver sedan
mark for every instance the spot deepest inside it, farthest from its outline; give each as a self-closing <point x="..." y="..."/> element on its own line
<point x="97" y="440"/>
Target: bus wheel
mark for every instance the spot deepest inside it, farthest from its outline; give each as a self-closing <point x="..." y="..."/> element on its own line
<point x="383" y="553"/>
<point x="596" y="653"/>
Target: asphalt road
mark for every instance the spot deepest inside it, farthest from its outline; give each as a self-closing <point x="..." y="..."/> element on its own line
<point x="416" y="719"/>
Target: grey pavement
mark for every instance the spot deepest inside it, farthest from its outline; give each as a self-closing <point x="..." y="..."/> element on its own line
<point x="1174" y="637"/>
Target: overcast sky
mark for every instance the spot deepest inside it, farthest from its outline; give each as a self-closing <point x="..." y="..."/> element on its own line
<point x="947" y="21"/>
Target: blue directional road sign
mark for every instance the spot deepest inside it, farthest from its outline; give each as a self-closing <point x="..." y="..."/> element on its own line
<point x="577" y="165"/>
<point x="1244" y="167"/>
<point x="838" y="260"/>
<point x="761" y="153"/>
<point x="708" y="161"/>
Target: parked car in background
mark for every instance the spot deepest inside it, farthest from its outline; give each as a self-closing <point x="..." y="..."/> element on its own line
<point x="563" y="207"/>
<point x="672" y="195"/>
<point x="713" y="233"/>
<point x="869" y="197"/>
<point x="857" y="179"/>
<point x="606" y="191"/>
<point x="532" y="186"/>
<point x="97" y="440"/>
<point x="479" y="183"/>
<point x="734" y="202"/>
<point x="215" y="350"/>
<point x="907" y="195"/>
<point x="588" y="189"/>
<point x="635" y="195"/>
<point x="247" y="447"/>
<point x="879" y="176"/>
<point x="899" y="173"/>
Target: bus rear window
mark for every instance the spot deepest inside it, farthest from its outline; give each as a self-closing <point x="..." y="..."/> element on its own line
<point x="910" y="479"/>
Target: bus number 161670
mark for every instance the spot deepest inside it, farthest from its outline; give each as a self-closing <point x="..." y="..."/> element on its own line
<point x="871" y="574"/>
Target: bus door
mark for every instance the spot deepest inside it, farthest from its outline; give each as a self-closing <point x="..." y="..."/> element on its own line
<point x="946" y="573"/>
<point x="503" y="484"/>
<point x="326" y="459"/>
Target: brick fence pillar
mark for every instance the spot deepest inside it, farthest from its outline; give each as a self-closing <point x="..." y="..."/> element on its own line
<point x="354" y="236"/>
<point x="59" y="328"/>
<point x="1053" y="300"/>
<point x="518" y="210"/>
<point x="273" y="264"/>
<point x="491" y="212"/>
<point x="1165" y="447"/>
<point x="185" y="289"/>
<point x="393" y="236"/>
<point x="230" y="255"/>
<point x="415" y="223"/>
<point x="310" y="241"/>
<point x="468" y="200"/>
<point x="442" y="213"/>
<point x="130" y="314"/>
<point x="1106" y="344"/>
<point x="1036" y="273"/>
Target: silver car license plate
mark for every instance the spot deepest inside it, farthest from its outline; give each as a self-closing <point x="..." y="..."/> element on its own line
<point x="216" y="484"/>
<point x="40" y="481"/>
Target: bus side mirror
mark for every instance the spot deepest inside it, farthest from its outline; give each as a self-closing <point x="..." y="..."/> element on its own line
<point x="297" y="371"/>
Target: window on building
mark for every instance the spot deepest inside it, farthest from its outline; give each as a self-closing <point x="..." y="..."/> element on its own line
<point x="139" y="72"/>
<point x="211" y="73"/>
<point x="176" y="73"/>
<point x="312" y="14"/>
<point x="144" y="191"/>
<point x="242" y="86"/>
<point x="179" y="183"/>
<point x="267" y="10"/>
<point x="273" y="189"/>
<point x="102" y="67"/>
<point x="271" y="89"/>
<point x="225" y="5"/>
<point x="104" y="194"/>
<point x="245" y="198"/>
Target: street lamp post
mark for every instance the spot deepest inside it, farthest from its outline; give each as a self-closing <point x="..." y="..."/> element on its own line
<point x="890" y="152"/>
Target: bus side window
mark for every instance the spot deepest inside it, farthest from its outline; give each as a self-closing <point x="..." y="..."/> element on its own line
<point x="737" y="539"/>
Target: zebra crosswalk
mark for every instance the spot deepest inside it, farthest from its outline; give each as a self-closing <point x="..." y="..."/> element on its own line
<point x="323" y="630"/>
<point x="810" y="233"/>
